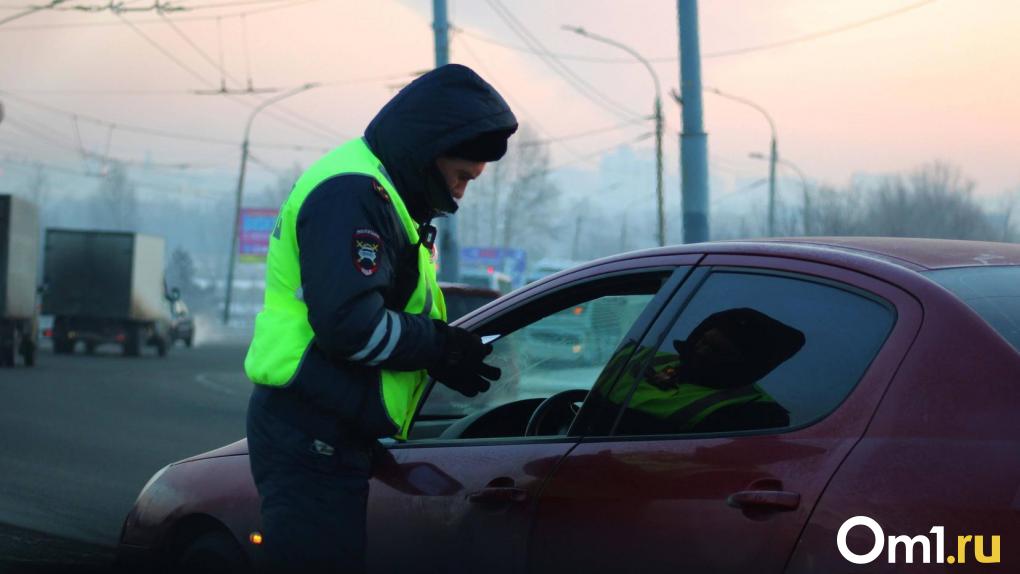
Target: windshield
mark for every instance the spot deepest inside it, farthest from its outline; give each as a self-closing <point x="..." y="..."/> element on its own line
<point x="993" y="292"/>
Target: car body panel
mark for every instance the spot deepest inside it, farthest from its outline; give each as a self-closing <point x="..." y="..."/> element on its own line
<point x="941" y="450"/>
<point x="457" y="508"/>
<point x="609" y="484"/>
<point x="219" y="488"/>
<point x="927" y="437"/>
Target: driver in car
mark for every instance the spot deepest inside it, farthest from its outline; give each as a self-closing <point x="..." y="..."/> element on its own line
<point x="710" y="383"/>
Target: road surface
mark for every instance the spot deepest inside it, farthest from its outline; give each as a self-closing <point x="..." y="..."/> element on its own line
<point x="80" y="435"/>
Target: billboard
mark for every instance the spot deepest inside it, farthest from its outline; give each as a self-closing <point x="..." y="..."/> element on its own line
<point x="254" y="228"/>
<point x="505" y="260"/>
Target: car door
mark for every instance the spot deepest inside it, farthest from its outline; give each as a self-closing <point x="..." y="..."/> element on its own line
<point x="725" y="481"/>
<point x="459" y="494"/>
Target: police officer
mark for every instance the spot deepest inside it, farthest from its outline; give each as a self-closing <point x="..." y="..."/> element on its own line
<point x="353" y="321"/>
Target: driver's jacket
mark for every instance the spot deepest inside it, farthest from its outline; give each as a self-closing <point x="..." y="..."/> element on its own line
<point x="681" y="406"/>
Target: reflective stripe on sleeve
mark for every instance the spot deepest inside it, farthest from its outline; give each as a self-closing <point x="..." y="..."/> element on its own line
<point x="394" y="336"/>
<point x="375" y="339"/>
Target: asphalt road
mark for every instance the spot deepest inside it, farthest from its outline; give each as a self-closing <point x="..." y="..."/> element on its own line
<point x="80" y="435"/>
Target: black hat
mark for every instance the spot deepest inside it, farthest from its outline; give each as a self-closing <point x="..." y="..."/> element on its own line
<point x="762" y="342"/>
<point x="489" y="146"/>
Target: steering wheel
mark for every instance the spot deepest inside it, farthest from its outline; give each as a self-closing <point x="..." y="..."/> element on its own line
<point x="562" y="404"/>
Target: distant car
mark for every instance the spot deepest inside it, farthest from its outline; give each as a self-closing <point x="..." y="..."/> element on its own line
<point x="832" y="379"/>
<point x="462" y="299"/>
<point x="182" y="324"/>
<point x="487" y="279"/>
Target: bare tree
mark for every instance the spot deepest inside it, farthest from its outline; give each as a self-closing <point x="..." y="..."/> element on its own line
<point x="276" y="193"/>
<point x="180" y="272"/>
<point x="835" y="212"/>
<point x="1009" y="203"/>
<point x="117" y="203"/>
<point x="935" y="200"/>
<point x="38" y="186"/>
<point x="515" y="198"/>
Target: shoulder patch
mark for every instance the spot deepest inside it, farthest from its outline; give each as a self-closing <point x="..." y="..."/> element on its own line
<point x="381" y="191"/>
<point x="367" y="250"/>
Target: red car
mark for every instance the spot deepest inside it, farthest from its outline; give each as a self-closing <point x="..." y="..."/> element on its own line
<point x="808" y="405"/>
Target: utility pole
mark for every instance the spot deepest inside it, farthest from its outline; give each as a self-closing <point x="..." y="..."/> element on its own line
<point x="693" y="140"/>
<point x="657" y="117"/>
<point x="449" y="247"/>
<point x="773" y="157"/>
<point x="582" y="211"/>
<point x="803" y="182"/>
<point x="240" y="190"/>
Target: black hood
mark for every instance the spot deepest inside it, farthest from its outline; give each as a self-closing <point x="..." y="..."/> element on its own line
<point x="435" y="113"/>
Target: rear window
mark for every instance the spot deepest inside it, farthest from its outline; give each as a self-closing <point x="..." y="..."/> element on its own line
<point x="993" y="292"/>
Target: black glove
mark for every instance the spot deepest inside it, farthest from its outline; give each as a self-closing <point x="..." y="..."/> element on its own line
<point x="460" y="365"/>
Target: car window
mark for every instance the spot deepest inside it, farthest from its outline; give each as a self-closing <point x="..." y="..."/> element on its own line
<point x="992" y="292"/>
<point x="754" y="352"/>
<point x="564" y="347"/>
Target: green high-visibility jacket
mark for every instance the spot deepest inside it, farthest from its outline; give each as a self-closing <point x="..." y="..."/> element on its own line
<point x="284" y="334"/>
<point x="683" y="405"/>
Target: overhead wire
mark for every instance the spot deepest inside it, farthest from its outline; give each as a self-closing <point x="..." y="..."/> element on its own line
<point x="156" y="132"/>
<point x="309" y="126"/>
<point x="579" y="84"/>
<point x="816" y="35"/>
<point x="586" y="133"/>
<point x="600" y="152"/>
<point x="712" y="54"/>
<point x="84" y="153"/>
<point x="180" y="92"/>
<point x="561" y="55"/>
<point x="295" y="118"/>
<point x="153" y="20"/>
<point x="157" y="6"/>
<point x="29" y="10"/>
<point x="223" y="73"/>
<point x="164" y="51"/>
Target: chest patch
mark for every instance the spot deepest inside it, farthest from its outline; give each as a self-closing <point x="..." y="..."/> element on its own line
<point x="367" y="251"/>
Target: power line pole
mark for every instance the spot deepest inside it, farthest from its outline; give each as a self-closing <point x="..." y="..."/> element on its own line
<point x="238" y="195"/>
<point x="449" y="248"/>
<point x="657" y="116"/>
<point x="661" y="200"/>
<point x="693" y="140"/>
<point x="773" y="157"/>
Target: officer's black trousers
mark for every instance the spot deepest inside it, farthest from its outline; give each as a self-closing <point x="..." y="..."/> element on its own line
<point x="314" y="497"/>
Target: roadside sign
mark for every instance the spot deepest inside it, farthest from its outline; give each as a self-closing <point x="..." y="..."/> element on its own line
<point x="253" y="237"/>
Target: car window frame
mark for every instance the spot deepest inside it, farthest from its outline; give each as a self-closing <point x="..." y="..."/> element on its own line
<point x="524" y="305"/>
<point x="908" y="315"/>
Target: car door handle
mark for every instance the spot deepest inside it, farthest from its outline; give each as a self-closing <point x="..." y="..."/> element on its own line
<point x="498" y="495"/>
<point x="764" y="499"/>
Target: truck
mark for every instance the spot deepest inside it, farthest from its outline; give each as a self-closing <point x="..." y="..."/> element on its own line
<point x="19" y="248"/>
<point x="106" y="287"/>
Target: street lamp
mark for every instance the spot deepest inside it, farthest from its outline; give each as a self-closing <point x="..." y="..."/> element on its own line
<point x="240" y="187"/>
<point x="773" y="154"/>
<point x="658" y="121"/>
<point x="803" y="183"/>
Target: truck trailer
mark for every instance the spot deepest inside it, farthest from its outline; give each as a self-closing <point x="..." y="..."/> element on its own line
<point x="106" y="287"/>
<point x="19" y="248"/>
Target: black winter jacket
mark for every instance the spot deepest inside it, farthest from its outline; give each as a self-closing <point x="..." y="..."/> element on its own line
<point x="355" y="297"/>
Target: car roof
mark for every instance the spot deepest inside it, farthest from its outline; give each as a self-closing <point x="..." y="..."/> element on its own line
<point x="924" y="253"/>
<point x="912" y="253"/>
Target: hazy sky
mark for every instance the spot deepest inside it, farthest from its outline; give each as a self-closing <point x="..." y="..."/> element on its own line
<point x="935" y="82"/>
